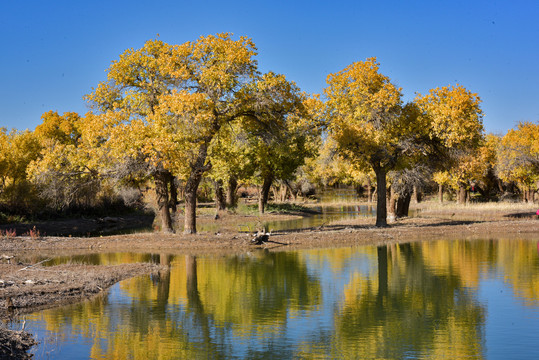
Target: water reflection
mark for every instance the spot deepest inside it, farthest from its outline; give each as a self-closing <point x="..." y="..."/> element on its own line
<point x="326" y="214"/>
<point x="422" y="300"/>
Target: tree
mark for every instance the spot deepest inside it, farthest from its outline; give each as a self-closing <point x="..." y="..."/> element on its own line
<point x="17" y="150"/>
<point x="330" y="168"/>
<point x="281" y="130"/>
<point x="364" y="112"/>
<point x="163" y="105"/>
<point x="442" y="178"/>
<point x="453" y="120"/>
<point x="404" y="182"/>
<point x="73" y="170"/>
<point x="231" y="163"/>
<point x="518" y="157"/>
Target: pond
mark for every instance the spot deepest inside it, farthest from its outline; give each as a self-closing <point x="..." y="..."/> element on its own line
<point x="438" y="299"/>
<point x="324" y="215"/>
<point x="334" y="204"/>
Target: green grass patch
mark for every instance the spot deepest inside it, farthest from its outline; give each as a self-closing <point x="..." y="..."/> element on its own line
<point x="12" y="219"/>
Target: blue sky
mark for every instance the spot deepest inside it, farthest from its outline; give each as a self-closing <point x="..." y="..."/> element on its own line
<point x="54" y="52"/>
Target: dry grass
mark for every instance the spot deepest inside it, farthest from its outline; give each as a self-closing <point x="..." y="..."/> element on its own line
<point x="488" y="206"/>
<point x="476" y="211"/>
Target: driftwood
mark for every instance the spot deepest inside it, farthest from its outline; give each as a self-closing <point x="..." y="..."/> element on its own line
<point x="259" y="238"/>
<point x="29" y="266"/>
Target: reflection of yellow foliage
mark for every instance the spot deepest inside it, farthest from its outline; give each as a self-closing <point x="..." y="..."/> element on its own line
<point x="455" y="257"/>
<point x="398" y="311"/>
<point x="338" y="258"/>
<point x="357" y="286"/>
<point x="518" y="258"/>
<point x="255" y="296"/>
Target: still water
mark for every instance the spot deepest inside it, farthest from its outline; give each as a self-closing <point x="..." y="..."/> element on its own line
<point x="430" y="300"/>
<point x="324" y="216"/>
<point x="335" y="204"/>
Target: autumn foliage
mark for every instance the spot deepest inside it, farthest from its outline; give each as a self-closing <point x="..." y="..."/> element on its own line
<point x="168" y="119"/>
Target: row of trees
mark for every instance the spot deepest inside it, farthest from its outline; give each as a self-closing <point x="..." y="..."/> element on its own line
<point x="171" y="115"/>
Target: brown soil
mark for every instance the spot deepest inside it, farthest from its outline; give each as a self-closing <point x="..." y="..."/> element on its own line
<point x="25" y="289"/>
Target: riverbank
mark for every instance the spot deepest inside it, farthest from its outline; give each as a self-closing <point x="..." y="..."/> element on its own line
<point x="27" y="286"/>
<point x="359" y="231"/>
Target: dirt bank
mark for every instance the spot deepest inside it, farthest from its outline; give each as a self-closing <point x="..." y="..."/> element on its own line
<point x="25" y="288"/>
<point x="340" y="233"/>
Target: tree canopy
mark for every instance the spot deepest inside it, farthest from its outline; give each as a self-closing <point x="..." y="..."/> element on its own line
<point x="365" y="118"/>
<point x="168" y="116"/>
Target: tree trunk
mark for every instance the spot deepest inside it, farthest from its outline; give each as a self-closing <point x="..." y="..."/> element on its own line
<point x="191" y="188"/>
<point x="382" y="271"/>
<point x="264" y="194"/>
<point x="161" y="192"/>
<point x="462" y="194"/>
<point x="381" y="210"/>
<point x="292" y="192"/>
<point x="231" y="198"/>
<point x="500" y="186"/>
<point x="369" y="190"/>
<point x="190" y="225"/>
<point x="173" y="201"/>
<point x="193" y="297"/>
<point x="403" y="205"/>
<point x="418" y="195"/>
<point x="391" y="205"/>
<point x="220" y="200"/>
<point x="441" y="193"/>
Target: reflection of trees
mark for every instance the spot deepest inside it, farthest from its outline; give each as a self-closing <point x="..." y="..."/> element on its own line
<point x="197" y="309"/>
<point x="520" y="261"/>
<point x="406" y="309"/>
<point x="414" y="301"/>
<point x="469" y="260"/>
<point x="100" y="259"/>
<point x="255" y="295"/>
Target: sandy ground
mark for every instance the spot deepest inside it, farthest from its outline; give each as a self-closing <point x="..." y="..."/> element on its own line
<point x="26" y="287"/>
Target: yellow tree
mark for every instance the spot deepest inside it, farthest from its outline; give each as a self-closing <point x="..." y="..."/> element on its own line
<point x="284" y="133"/>
<point x="452" y="118"/>
<point x="231" y="165"/>
<point x="164" y="104"/>
<point x="329" y="168"/>
<point x="518" y="157"/>
<point x="442" y="178"/>
<point x="72" y="166"/>
<point x="364" y="113"/>
<point x="17" y="150"/>
<point x="4" y="158"/>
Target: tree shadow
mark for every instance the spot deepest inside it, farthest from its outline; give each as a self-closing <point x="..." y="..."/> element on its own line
<point x="522" y="215"/>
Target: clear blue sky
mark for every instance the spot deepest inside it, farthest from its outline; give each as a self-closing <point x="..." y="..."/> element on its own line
<point x="54" y="52"/>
